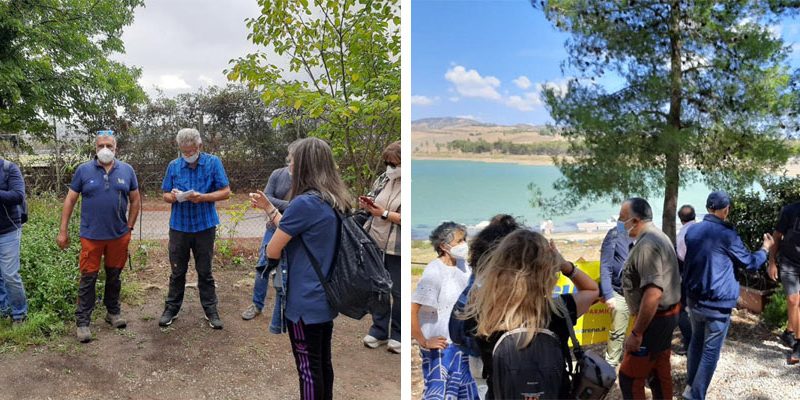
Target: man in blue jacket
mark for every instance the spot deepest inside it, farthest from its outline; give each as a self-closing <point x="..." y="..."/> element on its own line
<point x="613" y="254"/>
<point x="713" y="248"/>
<point x="13" y="302"/>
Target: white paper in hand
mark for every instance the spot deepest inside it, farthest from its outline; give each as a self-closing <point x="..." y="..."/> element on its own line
<point x="183" y="196"/>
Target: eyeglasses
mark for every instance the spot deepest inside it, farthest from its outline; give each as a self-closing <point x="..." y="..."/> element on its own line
<point x="390" y="164"/>
<point x="107" y="132"/>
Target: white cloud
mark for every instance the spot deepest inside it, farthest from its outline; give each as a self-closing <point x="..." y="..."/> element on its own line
<point x="472" y="84"/>
<point x="454" y="99"/>
<point x="421" y="100"/>
<point x="560" y="87"/>
<point x="522" y="82"/>
<point x="165" y="82"/>
<point x="472" y="117"/>
<point x="527" y="102"/>
<point x="206" y="80"/>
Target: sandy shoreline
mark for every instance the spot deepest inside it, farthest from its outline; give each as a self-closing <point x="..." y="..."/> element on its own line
<point x="792" y="167"/>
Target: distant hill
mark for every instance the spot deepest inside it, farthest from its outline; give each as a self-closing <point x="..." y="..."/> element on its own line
<point x="436" y="135"/>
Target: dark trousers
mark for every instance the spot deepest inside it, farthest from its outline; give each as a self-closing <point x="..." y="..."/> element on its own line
<point x="381" y="321"/>
<point x="311" y="346"/>
<point x="87" y="296"/>
<point x="201" y="245"/>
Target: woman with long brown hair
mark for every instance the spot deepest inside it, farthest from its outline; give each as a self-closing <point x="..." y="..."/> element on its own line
<point x="309" y="225"/>
<point x="514" y="289"/>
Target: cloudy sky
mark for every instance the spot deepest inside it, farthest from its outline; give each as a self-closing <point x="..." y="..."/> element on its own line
<point x="182" y="45"/>
<point x="488" y="59"/>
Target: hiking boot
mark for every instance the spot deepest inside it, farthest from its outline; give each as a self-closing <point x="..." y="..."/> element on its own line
<point x="18" y="321"/>
<point x="393" y="346"/>
<point x="794" y="358"/>
<point x="116" y="321"/>
<point x="687" y="392"/>
<point x="213" y="320"/>
<point x="682" y="351"/>
<point x="373" y="343"/>
<point x="167" y="317"/>
<point x="788" y="339"/>
<point x="251" y="312"/>
<point x="84" y="334"/>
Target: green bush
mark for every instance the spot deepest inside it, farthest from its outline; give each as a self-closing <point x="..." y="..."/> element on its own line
<point x="49" y="274"/>
<point x="775" y="311"/>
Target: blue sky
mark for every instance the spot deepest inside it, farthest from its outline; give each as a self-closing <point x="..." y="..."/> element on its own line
<point x="488" y="59"/>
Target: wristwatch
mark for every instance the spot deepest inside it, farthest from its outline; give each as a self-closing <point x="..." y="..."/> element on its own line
<point x="385" y="214"/>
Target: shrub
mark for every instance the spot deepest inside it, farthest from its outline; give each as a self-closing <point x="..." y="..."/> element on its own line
<point x="775" y="311"/>
<point x="49" y="274"/>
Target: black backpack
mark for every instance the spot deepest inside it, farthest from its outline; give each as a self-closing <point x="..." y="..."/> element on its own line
<point x="537" y="370"/>
<point x="23" y="208"/>
<point x="358" y="283"/>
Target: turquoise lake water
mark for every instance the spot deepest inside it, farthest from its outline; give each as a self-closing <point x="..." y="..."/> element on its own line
<point x="470" y="192"/>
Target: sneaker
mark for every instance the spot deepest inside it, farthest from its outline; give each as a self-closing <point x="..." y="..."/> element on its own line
<point x="373" y="343"/>
<point x="794" y="358"/>
<point x="167" y="317"/>
<point x="788" y="339"/>
<point x="250" y="312"/>
<point x="213" y="320"/>
<point x="682" y="351"/>
<point x="84" y="334"/>
<point x="116" y="321"/>
<point x="393" y="346"/>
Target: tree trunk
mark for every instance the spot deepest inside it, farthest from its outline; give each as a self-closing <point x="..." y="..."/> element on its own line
<point x="672" y="168"/>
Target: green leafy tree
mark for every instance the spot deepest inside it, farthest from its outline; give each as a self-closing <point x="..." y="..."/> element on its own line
<point x="705" y="95"/>
<point x="54" y="63"/>
<point x="343" y="71"/>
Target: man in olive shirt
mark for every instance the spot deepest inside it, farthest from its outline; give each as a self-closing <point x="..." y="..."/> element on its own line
<point x="651" y="284"/>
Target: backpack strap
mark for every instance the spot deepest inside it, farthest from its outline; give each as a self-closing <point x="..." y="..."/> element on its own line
<point x="576" y="346"/>
<point x="314" y="262"/>
<point x="521" y="330"/>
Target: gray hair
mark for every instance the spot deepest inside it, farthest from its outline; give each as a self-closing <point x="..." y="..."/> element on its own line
<point x="188" y="137"/>
<point x="290" y="149"/>
<point x="111" y="136"/>
<point x="444" y="234"/>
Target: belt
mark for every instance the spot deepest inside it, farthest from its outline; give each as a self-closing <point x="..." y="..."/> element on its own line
<point x="669" y="311"/>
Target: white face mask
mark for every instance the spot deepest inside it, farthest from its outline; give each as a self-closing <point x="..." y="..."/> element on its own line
<point x="460" y="251"/>
<point x="392" y="172"/>
<point x="105" y="155"/>
<point x="191" y="159"/>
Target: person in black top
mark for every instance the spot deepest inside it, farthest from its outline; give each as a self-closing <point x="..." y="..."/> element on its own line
<point x="786" y="253"/>
<point x="513" y="289"/>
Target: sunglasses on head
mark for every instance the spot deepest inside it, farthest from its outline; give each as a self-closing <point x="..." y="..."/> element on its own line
<point x="108" y="132"/>
<point x="390" y="164"/>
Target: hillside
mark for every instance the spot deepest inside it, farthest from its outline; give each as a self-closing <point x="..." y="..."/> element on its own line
<point x="431" y="136"/>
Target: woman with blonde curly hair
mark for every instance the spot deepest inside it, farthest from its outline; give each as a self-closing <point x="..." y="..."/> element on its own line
<point x="514" y="289"/>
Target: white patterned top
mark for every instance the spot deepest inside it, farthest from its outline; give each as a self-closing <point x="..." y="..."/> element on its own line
<point x="437" y="293"/>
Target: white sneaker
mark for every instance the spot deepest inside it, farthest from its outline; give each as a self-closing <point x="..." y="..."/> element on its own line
<point x="687" y="393"/>
<point x="372" y="343"/>
<point x="393" y="346"/>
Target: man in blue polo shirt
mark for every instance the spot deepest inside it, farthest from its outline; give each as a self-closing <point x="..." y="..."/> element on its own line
<point x="193" y="184"/>
<point x="106" y="184"/>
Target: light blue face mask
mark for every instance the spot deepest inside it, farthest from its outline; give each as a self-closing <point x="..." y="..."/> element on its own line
<point x="621" y="228"/>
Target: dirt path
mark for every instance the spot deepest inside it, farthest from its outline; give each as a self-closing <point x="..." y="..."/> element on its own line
<point x="189" y="360"/>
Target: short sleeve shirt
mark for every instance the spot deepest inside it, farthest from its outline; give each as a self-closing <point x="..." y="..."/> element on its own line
<point x="652" y="261"/>
<point x="310" y="219"/>
<point x="207" y="176"/>
<point x="437" y="292"/>
<point x="789" y="227"/>
<point x="104" y="198"/>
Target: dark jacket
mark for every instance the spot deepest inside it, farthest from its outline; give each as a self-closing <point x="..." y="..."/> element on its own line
<point x="613" y="254"/>
<point x="12" y="195"/>
<point x="713" y="248"/>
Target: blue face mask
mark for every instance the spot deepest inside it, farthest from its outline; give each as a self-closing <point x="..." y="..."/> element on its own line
<point x="621" y="228"/>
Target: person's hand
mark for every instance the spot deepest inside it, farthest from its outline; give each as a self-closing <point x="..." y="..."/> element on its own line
<point x="610" y="303"/>
<point x="633" y="343"/>
<point x="260" y="200"/>
<point x="436" y="343"/>
<point x="772" y="271"/>
<point x="768" y="242"/>
<point x="564" y="266"/>
<point x="375" y="211"/>
<point x="363" y="204"/>
<point x="62" y="240"/>
<point x="195" y="198"/>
